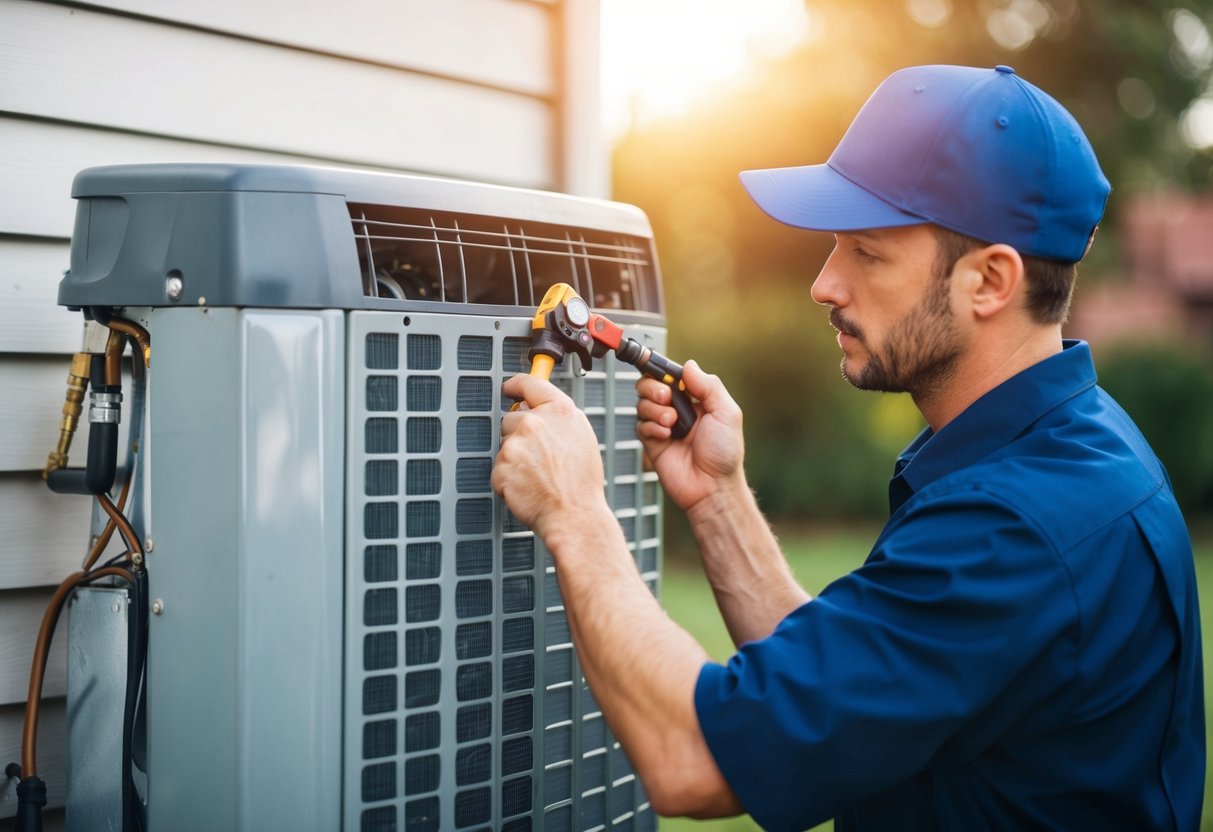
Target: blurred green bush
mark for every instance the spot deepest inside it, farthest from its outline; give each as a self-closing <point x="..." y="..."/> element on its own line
<point x="1168" y="391"/>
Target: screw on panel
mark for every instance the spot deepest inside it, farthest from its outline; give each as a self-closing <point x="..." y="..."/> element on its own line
<point x="157" y="607"/>
<point x="148" y="545"/>
<point x="174" y="286"/>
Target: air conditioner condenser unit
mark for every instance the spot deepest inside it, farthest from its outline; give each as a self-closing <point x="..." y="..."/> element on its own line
<point x="349" y="630"/>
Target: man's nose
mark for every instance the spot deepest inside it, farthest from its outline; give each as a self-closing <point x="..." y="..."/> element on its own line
<point x="828" y="288"/>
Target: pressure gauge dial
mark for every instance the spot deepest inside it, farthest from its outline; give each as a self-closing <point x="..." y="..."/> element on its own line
<point x="577" y="312"/>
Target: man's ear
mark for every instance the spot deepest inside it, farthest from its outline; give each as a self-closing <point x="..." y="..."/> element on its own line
<point x="993" y="278"/>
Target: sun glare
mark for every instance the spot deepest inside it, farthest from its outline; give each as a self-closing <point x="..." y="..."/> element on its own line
<point x="660" y="57"/>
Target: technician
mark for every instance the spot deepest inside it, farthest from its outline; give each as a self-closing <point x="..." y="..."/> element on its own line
<point x="1021" y="648"/>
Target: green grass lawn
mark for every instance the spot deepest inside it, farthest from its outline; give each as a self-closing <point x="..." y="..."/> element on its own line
<point x="1204" y="585"/>
<point x="818" y="559"/>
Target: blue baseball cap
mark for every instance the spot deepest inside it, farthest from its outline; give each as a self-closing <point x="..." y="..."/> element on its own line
<point x="979" y="151"/>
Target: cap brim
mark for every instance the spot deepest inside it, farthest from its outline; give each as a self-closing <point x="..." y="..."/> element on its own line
<point x="819" y="198"/>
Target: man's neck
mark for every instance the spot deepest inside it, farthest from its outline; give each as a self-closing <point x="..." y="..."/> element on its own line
<point x="984" y="367"/>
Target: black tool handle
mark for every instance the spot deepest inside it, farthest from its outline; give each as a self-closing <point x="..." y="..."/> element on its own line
<point x="684" y="409"/>
<point x="655" y="365"/>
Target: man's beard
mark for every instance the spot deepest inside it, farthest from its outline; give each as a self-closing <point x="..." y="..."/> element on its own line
<point x="918" y="355"/>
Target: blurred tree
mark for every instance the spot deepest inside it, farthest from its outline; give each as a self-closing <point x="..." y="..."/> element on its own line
<point x="737" y="283"/>
<point x="1168" y="392"/>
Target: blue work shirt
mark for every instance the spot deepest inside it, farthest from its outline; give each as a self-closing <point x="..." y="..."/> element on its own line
<point x="1021" y="649"/>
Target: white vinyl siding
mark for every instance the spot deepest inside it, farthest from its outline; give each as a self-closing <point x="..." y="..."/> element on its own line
<point x="502" y="91"/>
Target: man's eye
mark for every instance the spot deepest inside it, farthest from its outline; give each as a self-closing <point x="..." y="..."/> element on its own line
<point x="865" y="255"/>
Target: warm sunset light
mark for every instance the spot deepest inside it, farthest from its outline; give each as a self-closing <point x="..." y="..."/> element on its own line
<point x="659" y="57"/>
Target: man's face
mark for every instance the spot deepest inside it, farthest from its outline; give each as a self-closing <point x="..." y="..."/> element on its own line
<point x="892" y="309"/>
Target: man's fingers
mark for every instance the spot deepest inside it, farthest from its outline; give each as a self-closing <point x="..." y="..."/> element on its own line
<point x="651" y="388"/>
<point x="531" y="389"/>
<point x="650" y="411"/>
<point x="698" y="383"/>
<point x="509" y="422"/>
<point x="711" y="393"/>
<point x="652" y="430"/>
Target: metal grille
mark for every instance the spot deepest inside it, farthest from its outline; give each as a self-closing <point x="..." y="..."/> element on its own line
<point x="466" y="705"/>
<point x="422" y="688"/>
<point x="413" y="254"/>
<point x="381" y="478"/>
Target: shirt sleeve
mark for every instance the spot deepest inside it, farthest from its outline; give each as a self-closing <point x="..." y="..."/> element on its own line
<point x="861" y="687"/>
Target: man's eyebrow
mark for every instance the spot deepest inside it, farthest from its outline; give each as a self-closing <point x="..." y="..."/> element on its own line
<point x="862" y="236"/>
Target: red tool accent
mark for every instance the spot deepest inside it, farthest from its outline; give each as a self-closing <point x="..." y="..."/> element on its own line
<point x="605" y="331"/>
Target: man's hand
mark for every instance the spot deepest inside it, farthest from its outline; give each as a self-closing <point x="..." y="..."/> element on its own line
<point x="703" y="474"/>
<point x="710" y="457"/>
<point x="548" y="471"/>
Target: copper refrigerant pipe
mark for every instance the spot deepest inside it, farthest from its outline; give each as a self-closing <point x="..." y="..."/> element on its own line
<point x="29" y="732"/>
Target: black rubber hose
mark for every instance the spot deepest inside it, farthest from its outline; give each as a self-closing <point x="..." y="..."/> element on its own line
<point x="96" y="372"/>
<point x="136" y="652"/>
<point x="31" y="797"/>
<point x="101" y="314"/>
<point x="68" y="481"/>
<point x="102" y="457"/>
<point x="102" y="438"/>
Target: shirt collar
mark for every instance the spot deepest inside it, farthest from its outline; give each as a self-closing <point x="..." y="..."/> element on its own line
<point x="993" y="420"/>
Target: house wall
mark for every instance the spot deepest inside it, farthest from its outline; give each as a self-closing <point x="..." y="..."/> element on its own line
<point x="502" y="91"/>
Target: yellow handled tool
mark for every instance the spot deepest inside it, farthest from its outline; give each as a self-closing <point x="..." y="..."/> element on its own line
<point x="563" y="323"/>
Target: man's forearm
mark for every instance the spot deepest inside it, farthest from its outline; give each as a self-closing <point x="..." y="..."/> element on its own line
<point x="754" y="586"/>
<point x="641" y="666"/>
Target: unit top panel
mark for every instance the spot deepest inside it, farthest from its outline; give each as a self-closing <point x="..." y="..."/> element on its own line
<point x="315" y="237"/>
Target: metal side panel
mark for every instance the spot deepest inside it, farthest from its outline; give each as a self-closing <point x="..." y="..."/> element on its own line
<point x="96" y="702"/>
<point x="246" y="453"/>
<point x="465" y="707"/>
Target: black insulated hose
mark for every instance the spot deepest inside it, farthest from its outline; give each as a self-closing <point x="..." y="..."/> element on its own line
<point x="103" y="415"/>
<point x="135" y="662"/>
<point x="68" y="481"/>
<point x="31" y="797"/>
<point x="102" y="458"/>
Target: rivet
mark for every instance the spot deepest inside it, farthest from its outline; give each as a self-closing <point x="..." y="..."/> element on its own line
<point x="148" y="545"/>
<point x="157" y="607"/>
<point x="174" y="287"/>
